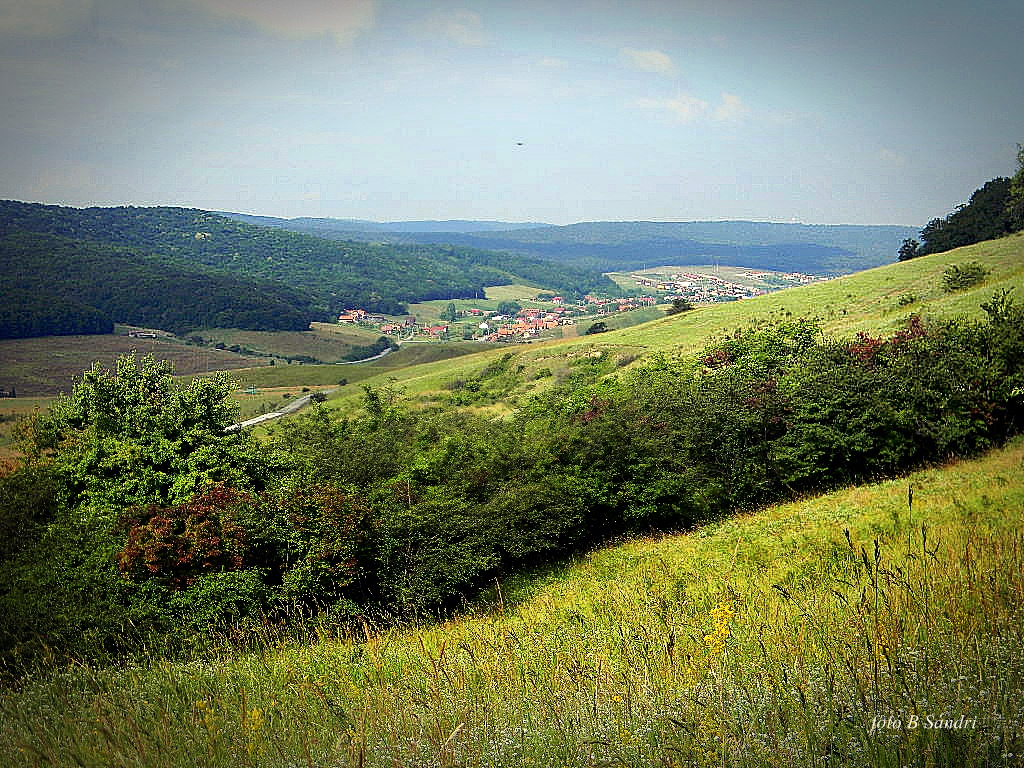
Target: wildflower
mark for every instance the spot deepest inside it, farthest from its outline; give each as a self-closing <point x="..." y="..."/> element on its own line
<point x="720" y="618"/>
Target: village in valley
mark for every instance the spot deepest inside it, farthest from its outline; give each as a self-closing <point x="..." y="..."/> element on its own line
<point x="539" y="315"/>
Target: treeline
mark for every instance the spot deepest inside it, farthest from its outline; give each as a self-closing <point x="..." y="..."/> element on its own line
<point x="58" y="286"/>
<point x="137" y="520"/>
<point x="332" y="275"/>
<point x="994" y="210"/>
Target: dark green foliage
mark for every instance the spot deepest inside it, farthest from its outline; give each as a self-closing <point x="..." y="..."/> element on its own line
<point x="599" y="327"/>
<point x="612" y="246"/>
<point x="316" y="276"/>
<point x="1015" y="205"/>
<point x="365" y="351"/>
<point x="61" y="286"/>
<point x="909" y="249"/>
<point x="679" y="305"/>
<point x="960" y="277"/>
<point x="984" y="217"/>
<point x="27" y="312"/>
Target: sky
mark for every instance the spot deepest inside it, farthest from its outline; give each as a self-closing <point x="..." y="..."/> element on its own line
<point x="837" y="111"/>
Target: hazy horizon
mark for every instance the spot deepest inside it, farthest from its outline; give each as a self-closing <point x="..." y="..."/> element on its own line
<point x="783" y="111"/>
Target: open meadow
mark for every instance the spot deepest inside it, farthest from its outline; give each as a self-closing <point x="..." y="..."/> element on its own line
<point x="852" y="628"/>
<point x="878" y="301"/>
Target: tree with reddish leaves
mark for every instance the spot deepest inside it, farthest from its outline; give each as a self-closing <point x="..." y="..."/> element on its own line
<point x="177" y="544"/>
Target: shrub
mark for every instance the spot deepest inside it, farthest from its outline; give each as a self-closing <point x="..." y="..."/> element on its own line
<point x="959" y="277"/>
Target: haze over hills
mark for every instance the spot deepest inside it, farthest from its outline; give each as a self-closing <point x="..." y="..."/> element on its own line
<point x="619" y="245"/>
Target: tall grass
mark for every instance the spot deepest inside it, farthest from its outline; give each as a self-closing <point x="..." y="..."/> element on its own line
<point x="813" y="633"/>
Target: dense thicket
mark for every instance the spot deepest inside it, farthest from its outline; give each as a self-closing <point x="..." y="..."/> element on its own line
<point x="55" y="285"/>
<point x="161" y="524"/>
<point x="984" y="217"/>
<point x="377" y="277"/>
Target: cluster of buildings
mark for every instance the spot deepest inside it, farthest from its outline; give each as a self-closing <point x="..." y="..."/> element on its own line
<point x="702" y="288"/>
<point x="527" y="324"/>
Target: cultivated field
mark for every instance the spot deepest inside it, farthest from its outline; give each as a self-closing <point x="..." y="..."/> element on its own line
<point x="325" y="342"/>
<point x="47" y="365"/>
<point x="847" y="629"/>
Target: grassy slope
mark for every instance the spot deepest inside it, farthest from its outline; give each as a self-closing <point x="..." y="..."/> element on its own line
<point x="867" y="301"/>
<point x="772" y="638"/>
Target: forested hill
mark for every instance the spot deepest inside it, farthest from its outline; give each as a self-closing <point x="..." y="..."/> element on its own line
<point x="314" y="277"/>
<point x="621" y="245"/>
<point x="57" y="286"/>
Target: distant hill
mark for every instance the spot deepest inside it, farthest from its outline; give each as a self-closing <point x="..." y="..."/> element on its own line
<point x="57" y="286"/>
<point x="610" y="246"/>
<point x="266" y="277"/>
<point x="316" y="226"/>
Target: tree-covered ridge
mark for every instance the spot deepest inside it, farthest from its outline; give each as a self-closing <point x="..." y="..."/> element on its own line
<point x="621" y="245"/>
<point x="381" y="278"/>
<point x="56" y="285"/>
<point x="136" y="509"/>
<point x="995" y="209"/>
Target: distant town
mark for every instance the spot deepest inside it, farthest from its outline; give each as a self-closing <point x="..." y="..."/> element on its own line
<point x="514" y="323"/>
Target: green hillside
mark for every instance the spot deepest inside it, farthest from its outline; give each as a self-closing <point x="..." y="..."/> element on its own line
<point x="336" y="275"/>
<point x="61" y="286"/>
<point x="420" y="583"/>
<point x="876" y="301"/>
<point x="776" y="638"/>
<point x="620" y="245"/>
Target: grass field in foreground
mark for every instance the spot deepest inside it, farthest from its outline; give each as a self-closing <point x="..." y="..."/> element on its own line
<point x="807" y="634"/>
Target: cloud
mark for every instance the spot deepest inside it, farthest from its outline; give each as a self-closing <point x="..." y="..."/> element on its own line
<point x="462" y="27"/>
<point x="553" y="62"/>
<point x="341" y="19"/>
<point x="686" y="108"/>
<point x="731" y="109"/>
<point x="649" y="61"/>
<point x="43" y="18"/>
<point x="689" y="109"/>
<point x="891" y="160"/>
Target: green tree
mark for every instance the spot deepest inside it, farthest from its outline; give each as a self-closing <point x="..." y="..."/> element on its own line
<point x="509" y="308"/>
<point x="133" y="436"/>
<point x="909" y="249"/>
<point x="1015" y="205"/>
<point x="679" y="305"/>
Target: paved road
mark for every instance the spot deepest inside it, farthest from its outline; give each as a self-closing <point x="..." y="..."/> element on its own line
<point x="292" y="407"/>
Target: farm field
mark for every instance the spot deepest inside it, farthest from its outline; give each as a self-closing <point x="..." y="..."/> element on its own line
<point x="818" y="627"/>
<point x="325" y="342"/>
<point x="47" y="365"/>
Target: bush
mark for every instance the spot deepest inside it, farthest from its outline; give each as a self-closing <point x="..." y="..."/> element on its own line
<point x="960" y="277"/>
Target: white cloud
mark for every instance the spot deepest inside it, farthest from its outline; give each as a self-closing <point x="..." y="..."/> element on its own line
<point x="462" y="27"/>
<point x="650" y="60"/>
<point x="731" y="109"/>
<point x="686" y="108"/>
<point x="891" y="160"/>
<point x="553" y="62"/>
<point x="341" y="19"/>
<point x="43" y="18"/>
<point x="689" y="109"/>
